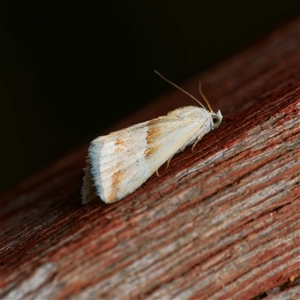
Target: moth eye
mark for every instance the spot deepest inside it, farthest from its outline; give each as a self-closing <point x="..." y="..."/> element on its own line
<point x="216" y="120"/>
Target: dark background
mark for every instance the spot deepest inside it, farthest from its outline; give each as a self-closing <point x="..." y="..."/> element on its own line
<point x="70" y="69"/>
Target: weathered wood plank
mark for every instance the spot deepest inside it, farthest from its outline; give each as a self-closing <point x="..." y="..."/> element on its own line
<point x="222" y="222"/>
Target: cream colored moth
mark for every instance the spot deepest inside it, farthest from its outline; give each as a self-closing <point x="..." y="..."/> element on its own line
<point x="120" y="162"/>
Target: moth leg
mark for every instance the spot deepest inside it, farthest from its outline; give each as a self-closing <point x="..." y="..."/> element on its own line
<point x="157" y="174"/>
<point x="197" y="140"/>
<point x="168" y="162"/>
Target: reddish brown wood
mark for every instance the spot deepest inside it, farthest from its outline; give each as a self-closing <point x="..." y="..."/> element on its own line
<point x="220" y="223"/>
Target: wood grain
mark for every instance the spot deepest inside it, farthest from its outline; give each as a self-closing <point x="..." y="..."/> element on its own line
<point x="220" y="223"/>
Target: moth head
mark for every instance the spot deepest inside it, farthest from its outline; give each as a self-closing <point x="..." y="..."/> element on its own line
<point x="216" y="119"/>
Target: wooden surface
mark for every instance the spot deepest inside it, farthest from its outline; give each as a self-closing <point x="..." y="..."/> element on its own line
<point x="220" y="223"/>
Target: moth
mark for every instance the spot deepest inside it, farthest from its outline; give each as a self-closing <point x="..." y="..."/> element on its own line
<point x="120" y="162"/>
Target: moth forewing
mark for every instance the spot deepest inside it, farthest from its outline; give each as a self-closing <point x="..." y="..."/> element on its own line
<point x="122" y="161"/>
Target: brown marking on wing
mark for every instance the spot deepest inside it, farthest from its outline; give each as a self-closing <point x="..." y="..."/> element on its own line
<point x="119" y="143"/>
<point x="115" y="181"/>
<point x="154" y="131"/>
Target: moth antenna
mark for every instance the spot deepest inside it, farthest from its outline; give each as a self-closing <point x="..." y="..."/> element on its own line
<point x="205" y="99"/>
<point x="179" y="88"/>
